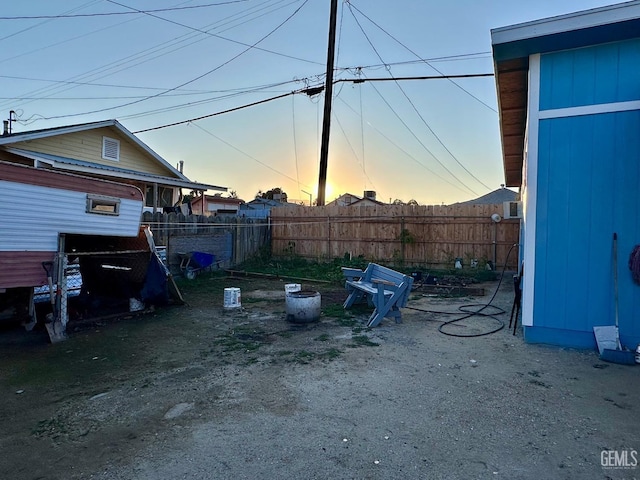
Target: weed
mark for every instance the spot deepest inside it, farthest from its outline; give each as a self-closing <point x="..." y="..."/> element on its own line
<point x="304" y="357"/>
<point x="241" y="339"/>
<point x="330" y="354"/>
<point x="362" y="341"/>
<point x="347" y="322"/>
<point x="322" y="338"/>
<point x="250" y="361"/>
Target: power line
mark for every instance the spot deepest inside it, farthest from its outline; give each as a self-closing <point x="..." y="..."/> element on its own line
<point x="415" y="109"/>
<point x="106" y="14"/>
<point x="383" y="135"/>
<point x="182" y="122"/>
<point x="352" y="149"/>
<point x="41" y="23"/>
<point x="139" y="57"/>
<point x="352" y="7"/>
<point x="411" y="103"/>
<point x="447" y="58"/>
<point x="189" y="81"/>
<point x="246" y="154"/>
<point x="310" y="91"/>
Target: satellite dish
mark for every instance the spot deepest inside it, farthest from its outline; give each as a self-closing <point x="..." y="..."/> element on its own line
<point x="496" y="218"/>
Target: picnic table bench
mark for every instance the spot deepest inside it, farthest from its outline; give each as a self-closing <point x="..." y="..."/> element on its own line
<point x="385" y="289"/>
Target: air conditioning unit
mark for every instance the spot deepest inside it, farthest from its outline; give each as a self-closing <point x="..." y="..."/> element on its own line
<point x="512" y="210"/>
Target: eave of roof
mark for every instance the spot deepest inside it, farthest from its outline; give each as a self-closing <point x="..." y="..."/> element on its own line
<point x="82" y="166"/>
<point x="512" y="46"/>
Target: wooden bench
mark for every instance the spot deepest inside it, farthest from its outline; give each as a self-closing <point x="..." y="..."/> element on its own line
<point x="384" y="288"/>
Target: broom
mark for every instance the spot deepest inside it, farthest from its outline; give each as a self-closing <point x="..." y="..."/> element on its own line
<point x="608" y="338"/>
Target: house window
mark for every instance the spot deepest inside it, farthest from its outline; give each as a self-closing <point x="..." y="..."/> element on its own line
<point x="110" y="149"/>
<point x="102" y="205"/>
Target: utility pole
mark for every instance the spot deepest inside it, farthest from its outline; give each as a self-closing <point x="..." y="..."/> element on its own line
<point x="328" y="94"/>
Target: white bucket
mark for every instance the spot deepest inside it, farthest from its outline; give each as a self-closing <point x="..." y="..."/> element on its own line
<point x="292" y="287"/>
<point x="232" y="298"/>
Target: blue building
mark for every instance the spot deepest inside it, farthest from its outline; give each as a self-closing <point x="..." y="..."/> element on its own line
<point x="569" y="100"/>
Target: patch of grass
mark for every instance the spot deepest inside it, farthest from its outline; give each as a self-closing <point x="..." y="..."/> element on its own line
<point x="347" y="322"/>
<point x="362" y="341"/>
<point x="297" y="267"/>
<point x="304" y="357"/>
<point x="241" y="339"/>
<point x="330" y="354"/>
<point x="336" y="310"/>
<point x="322" y="338"/>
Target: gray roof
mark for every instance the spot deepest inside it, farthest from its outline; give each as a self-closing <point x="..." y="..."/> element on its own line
<point x="496" y="197"/>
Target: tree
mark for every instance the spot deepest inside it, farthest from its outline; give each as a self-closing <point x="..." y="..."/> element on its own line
<point x="413" y="202"/>
<point x="273" y="194"/>
<point x="397" y="201"/>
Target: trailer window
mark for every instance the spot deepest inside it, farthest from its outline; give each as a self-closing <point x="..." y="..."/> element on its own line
<point x="103" y="205"/>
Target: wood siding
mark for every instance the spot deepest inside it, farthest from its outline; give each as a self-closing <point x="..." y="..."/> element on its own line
<point x="427" y="236"/>
<point x="87" y="146"/>
<point x="589" y="173"/>
<point x="600" y="74"/>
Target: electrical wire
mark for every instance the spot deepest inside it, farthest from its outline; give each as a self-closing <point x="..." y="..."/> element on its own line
<point x="80" y="7"/>
<point x="144" y="56"/>
<point x="188" y="82"/>
<point x="106" y="14"/>
<point x="415" y="136"/>
<point x="335" y="117"/>
<point x="246" y="154"/>
<point x="386" y="137"/>
<point x="191" y="120"/>
<point x="420" y="116"/>
<point x="418" y="56"/>
<point x="480" y="312"/>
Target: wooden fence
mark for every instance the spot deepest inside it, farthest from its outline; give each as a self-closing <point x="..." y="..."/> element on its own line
<point x="231" y="239"/>
<point x="426" y="236"/>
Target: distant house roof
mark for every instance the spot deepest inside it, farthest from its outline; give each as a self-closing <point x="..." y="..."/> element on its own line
<point x="344" y="199"/>
<point x="366" y="202"/>
<point x="263" y="203"/>
<point x="496" y="197"/>
<point x="218" y="199"/>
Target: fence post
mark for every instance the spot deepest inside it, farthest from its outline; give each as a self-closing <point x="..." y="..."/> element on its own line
<point x="328" y="237"/>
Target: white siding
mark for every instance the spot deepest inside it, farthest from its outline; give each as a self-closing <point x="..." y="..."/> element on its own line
<point x="33" y="216"/>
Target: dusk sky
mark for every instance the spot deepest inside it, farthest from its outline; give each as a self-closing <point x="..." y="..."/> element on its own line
<point x="150" y="63"/>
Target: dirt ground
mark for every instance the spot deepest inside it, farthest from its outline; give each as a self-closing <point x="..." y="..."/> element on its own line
<point x="201" y="392"/>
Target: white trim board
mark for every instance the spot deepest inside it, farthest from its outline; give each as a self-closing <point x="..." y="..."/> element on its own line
<point x="589" y="110"/>
<point x="565" y="23"/>
<point x="532" y="192"/>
